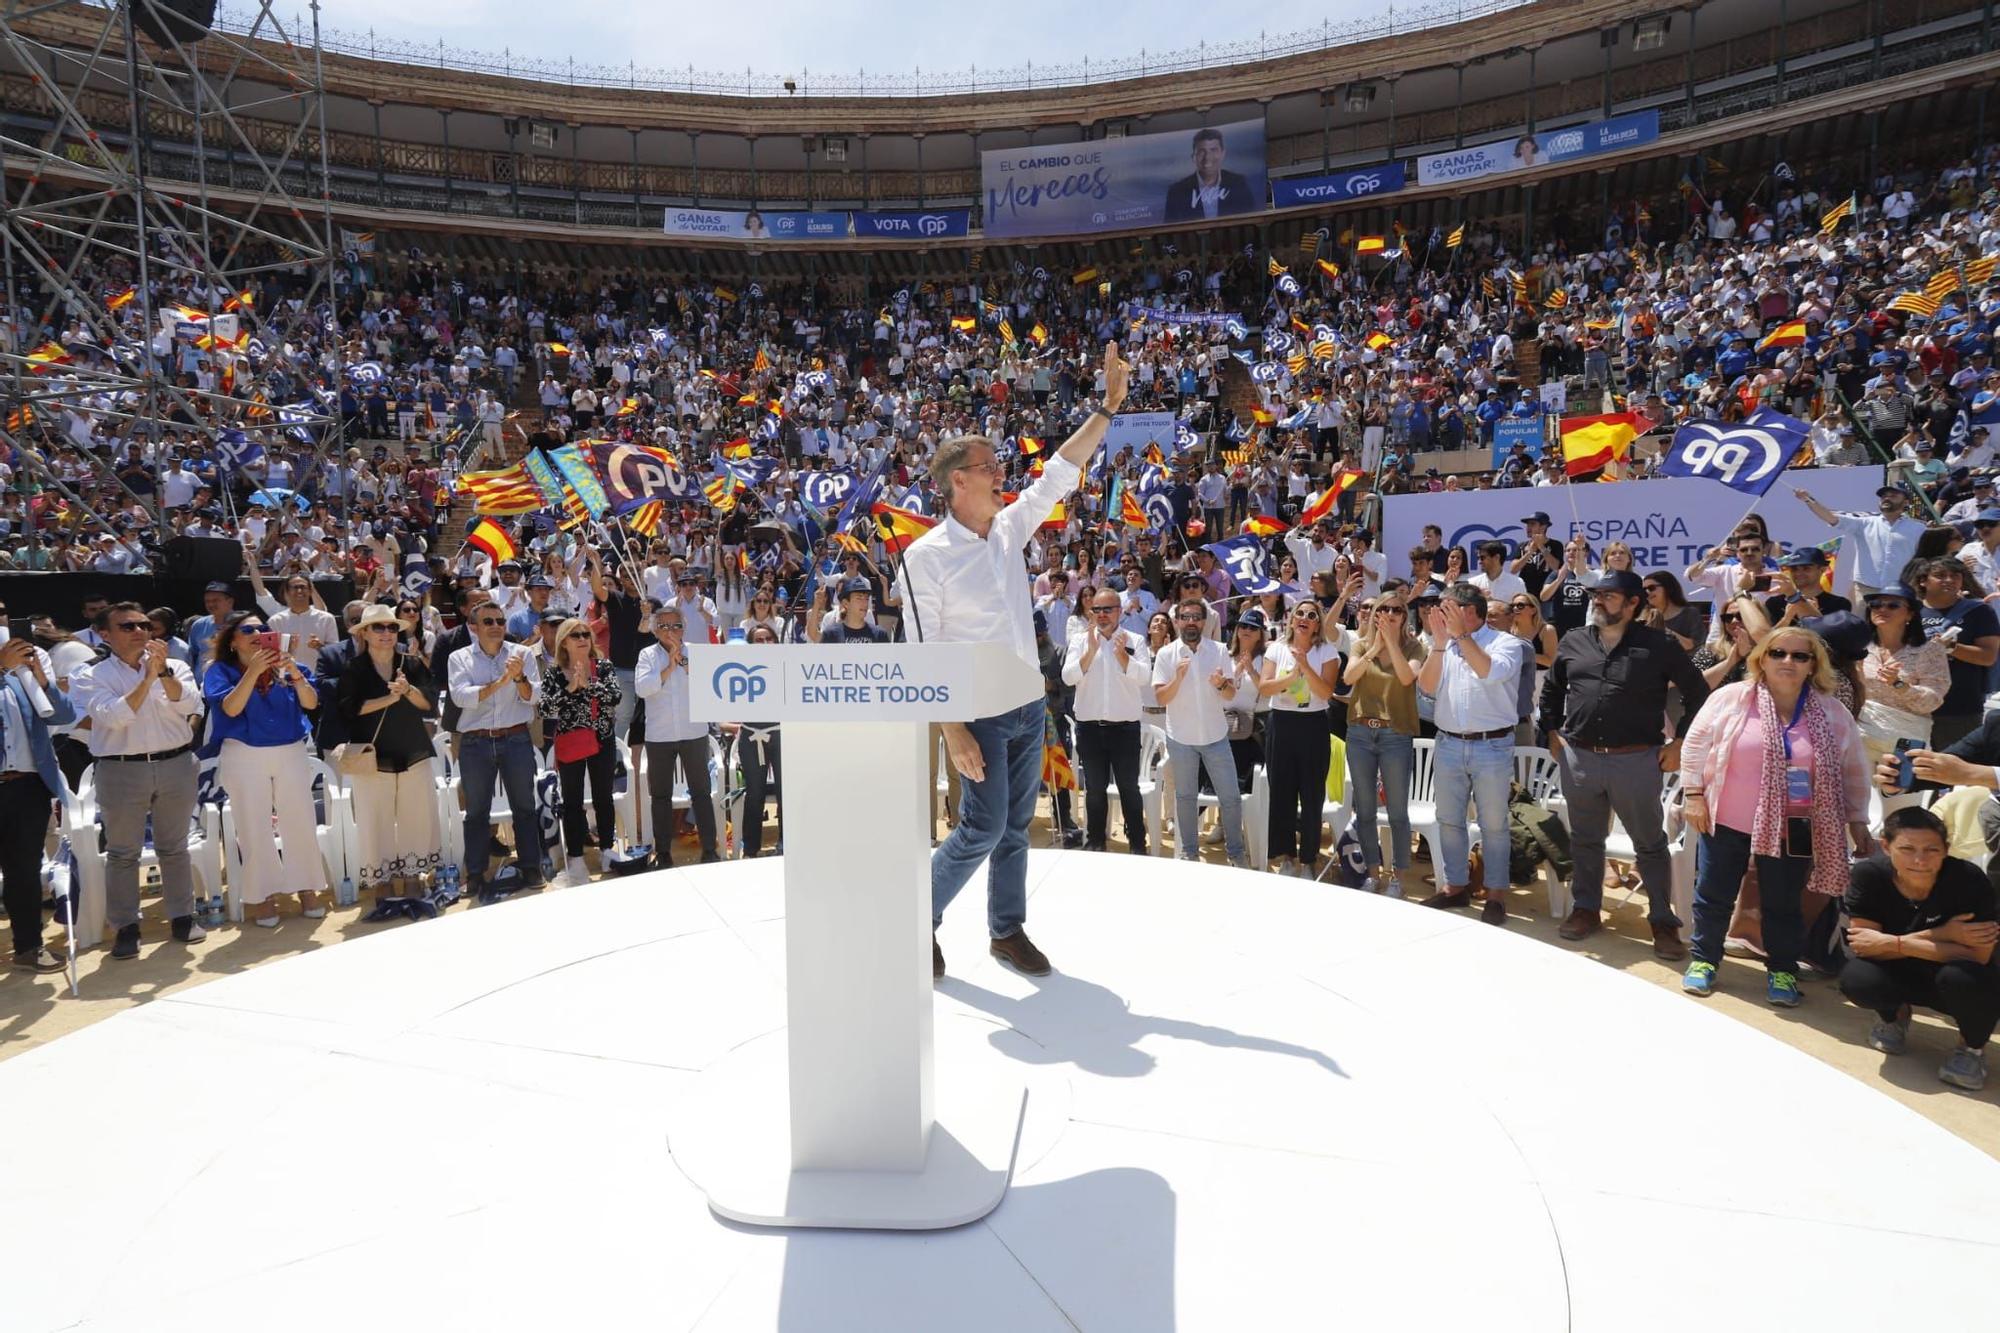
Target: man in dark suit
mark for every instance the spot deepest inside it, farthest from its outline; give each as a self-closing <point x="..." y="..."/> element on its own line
<point x="1210" y="192"/>
<point x="330" y="728"/>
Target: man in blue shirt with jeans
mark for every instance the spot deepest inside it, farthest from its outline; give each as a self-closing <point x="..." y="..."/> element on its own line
<point x="1474" y="673"/>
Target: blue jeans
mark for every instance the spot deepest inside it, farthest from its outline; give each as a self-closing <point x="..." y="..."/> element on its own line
<point x="993" y="818"/>
<point x="1374" y="752"/>
<point x="1220" y="761"/>
<point x="1476" y="773"/>
<point x="628" y="703"/>
<point x="1781" y="881"/>
<point x="510" y="760"/>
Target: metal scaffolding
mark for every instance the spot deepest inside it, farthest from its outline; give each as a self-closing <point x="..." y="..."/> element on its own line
<point x="226" y="248"/>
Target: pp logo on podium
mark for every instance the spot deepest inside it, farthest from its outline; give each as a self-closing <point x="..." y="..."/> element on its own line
<point x="734" y="682"/>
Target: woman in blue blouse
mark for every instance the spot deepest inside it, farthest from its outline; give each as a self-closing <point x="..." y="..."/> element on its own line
<point x="257" y="700"/>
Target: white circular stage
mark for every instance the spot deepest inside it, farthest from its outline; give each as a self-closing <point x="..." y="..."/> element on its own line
<point x="1254" y="1103"/>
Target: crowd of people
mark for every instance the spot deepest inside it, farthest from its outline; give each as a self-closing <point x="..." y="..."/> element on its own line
<point x="1775" y="723"/>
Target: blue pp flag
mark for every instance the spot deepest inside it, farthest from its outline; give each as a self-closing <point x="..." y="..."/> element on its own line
<point x="1247" y="563"/>
<point x="1745" y="456"/>
<point x="234" y="450"/>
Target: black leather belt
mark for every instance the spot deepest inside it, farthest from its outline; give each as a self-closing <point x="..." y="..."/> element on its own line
<point x="1477" y="735"/>
<point x="153" y="758"/>
<point x="496" y="732"/>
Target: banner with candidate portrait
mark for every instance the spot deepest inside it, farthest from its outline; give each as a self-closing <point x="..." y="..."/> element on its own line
<point x="1668" y="522"/>
<point x="1142" y="180"/>
<point x="928" y="224"/>
<point x="1537" y="150"/>
<point x="755" y="224"/>
<point x="1364" y="183"/>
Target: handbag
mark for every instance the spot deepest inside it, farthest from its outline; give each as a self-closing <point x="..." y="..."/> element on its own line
<point x="350" y="757"/>
<point x="1242" y="723"/>
<point x="578" y="742"/>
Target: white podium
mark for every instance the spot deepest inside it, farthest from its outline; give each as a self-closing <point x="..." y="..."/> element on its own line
<point x="842" y="1120"/>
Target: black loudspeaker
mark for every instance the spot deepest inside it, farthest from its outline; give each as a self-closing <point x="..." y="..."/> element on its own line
<point x="206" y="559"/>
<point x="170" y="21"/>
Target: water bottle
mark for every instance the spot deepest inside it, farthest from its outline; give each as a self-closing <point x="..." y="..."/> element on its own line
<point x="448" y="880"/>
<point x="345" y="896"/>
<point x="214" y="911"/>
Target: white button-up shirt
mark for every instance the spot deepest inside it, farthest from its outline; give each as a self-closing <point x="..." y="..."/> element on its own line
<point x="1194" y="716"/>
<point x="302" y="626"/>
<point x="663" y="684"/>
<point x="1881" y="548"/>
<point x="963" y="588"/>
<point x="99" y="692"/>
<point x="1107" y="692"/>
<point x="1311" y="559"/>
<point x="1469" y="703"/>
<point x="472" y="669"/>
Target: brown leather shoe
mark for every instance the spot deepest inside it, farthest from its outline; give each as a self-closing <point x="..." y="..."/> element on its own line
<point x="937" y="959"/>
<point x="1495" y="911"/>
<point x="1667" y="945"/>
<point x="1580" y="922"/>
<point x="1450" y="898"/>
<point x="1019" y="952"/>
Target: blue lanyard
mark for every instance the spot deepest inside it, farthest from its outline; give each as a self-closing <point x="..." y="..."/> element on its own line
<point x="1798" y="710"/>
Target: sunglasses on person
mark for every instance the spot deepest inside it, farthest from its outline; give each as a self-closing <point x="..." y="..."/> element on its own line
<point x="1111" y="610"/>
<point x="135" y="626"/>
<point x="1732" y="620"/>
<point x="1789" y="654"/>
<point x="1389" y="611"/>
<point x="486" y="622"/>
<point x="583" y="634"/>
<point x="1529" y="606"/>
<point x="1312" y="616"/>
<point x="1651" y="587"/>
<point x="383" y="629"/>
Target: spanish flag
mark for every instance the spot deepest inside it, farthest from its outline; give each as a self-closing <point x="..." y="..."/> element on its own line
<point x="1263" y="525"/>
<point x="1261" y="417"/>
<point x="1328" y="267"/>
<point x="1377" y="340"/>
<point x="1592" y="443"/>
<point x="1323" y="505"/>
<point x="490" y="537"/>
<point x="1457" y="237"/>
<point x="48" y="354"/>
<point x="725" y="294"/>
<point x="1058" y="517"/>
<point x="1080" y="277"/>
<point x="121" y="299"/>
<point x="1789" y="334"/>
<point x="558" y="349"/>
<point x="1370" y="245"/>
<point x="737" y="448"/>
<point x="963" y="323"/>
<point x="899" y="527"/>
<point x="242" y="300"/>
<point x="1038" y="335"/>
<point x="1030" y="445"/>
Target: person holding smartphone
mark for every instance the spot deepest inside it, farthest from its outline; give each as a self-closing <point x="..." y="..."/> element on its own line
<point x="258" y="697"/>
<point x="1772" y="768"/>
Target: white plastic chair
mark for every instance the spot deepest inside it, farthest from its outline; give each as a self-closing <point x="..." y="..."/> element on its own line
<point x="1618" y="846"/>
<point x="1256" y="807"/>
<point x="81" y="822"/>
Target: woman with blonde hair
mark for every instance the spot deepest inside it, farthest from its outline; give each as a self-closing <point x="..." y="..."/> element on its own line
<point x="1382" y="732"/>
<point x="580" y="695"/>
<point x="1299" y="677"/>
<point x="386" y="696"/>
<point x="1772" y="771"/>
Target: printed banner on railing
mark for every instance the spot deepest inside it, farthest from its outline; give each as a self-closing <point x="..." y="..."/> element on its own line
<point x="1536" y="150"/>
<point x="753" y="225"/>
<point x="1383" y="178"/>
<point x="918" y="226"/>
<point x="1669" y="523"/>
<point x="1142" y="180"/>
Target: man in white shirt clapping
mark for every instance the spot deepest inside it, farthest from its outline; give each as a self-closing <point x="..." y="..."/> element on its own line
<point x="1108" y="665"/>
<point x="1194" y="677"/>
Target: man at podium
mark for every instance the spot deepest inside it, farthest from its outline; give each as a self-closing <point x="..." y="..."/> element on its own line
<point x="965" y="582"/>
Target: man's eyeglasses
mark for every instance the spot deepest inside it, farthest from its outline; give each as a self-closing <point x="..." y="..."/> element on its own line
<point x="135" y="626"/>
<point x="1788" y="655"/>
<point x="1104" y="610"/>
<point x="990" y="466"/>
<point x="673" y="625"/>
<point x="487" y="622"/>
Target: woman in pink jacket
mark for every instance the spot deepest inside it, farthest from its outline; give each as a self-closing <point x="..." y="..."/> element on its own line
<point x="1772" y="768"/>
